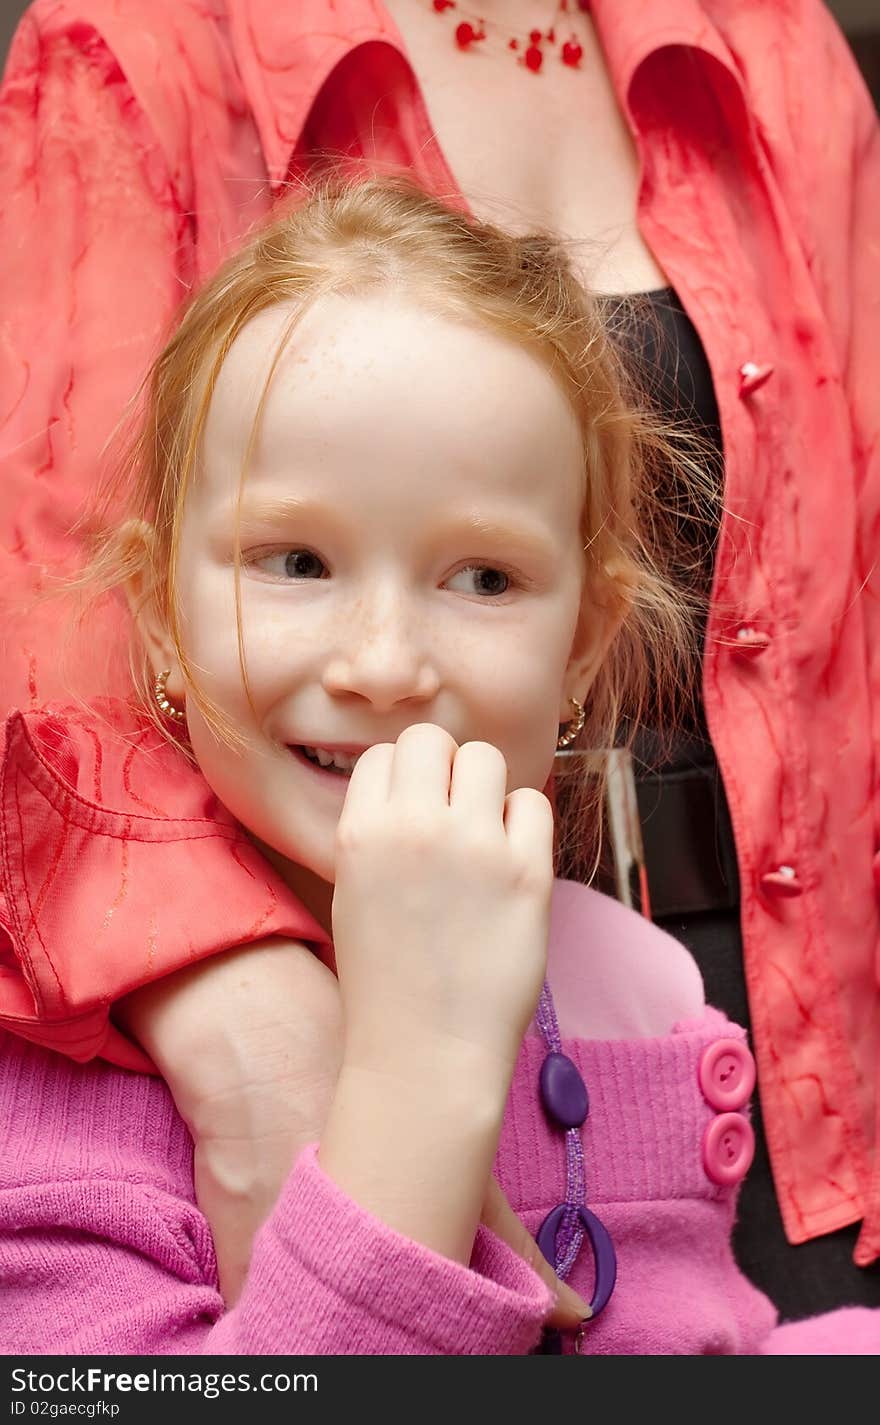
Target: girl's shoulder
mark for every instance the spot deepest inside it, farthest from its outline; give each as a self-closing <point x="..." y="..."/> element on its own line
<point x="613" y="973"/>
<point x="118" y="865"/>
<point x="108" y="757"/>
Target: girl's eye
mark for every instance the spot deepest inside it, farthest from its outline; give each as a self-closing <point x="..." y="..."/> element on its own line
<point x="299" y="564"/>
<point x="485" y="579"/>
<point x="291" y="564"/>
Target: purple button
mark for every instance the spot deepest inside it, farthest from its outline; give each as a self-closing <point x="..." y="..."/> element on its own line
<point x="726" y="1074"/>
<point x="728" y="1148"/>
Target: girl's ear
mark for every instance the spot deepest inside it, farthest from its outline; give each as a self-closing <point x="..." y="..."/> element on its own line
<point x="140" y="590"/>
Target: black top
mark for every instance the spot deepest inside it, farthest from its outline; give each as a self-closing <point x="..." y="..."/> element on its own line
<point x="661" y="343"/>
<point x="818" y="1275"/>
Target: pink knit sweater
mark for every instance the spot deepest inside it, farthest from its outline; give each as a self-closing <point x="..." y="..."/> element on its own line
<point x="103" y="1249"/>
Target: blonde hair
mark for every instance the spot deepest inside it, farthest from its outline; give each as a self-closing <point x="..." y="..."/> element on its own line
<point x="353" y="236"/>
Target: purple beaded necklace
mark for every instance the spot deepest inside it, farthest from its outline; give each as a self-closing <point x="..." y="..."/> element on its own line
<point x="561" y="1234"/>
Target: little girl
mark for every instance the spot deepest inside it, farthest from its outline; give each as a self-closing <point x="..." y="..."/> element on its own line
<point x="390" y="544"/>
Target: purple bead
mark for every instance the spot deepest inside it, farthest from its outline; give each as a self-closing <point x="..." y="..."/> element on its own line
<point x="563" y="1091"/>
<point x="604" y="1255"/>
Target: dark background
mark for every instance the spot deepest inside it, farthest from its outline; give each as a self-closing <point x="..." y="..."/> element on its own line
<point x="860" y="20"/>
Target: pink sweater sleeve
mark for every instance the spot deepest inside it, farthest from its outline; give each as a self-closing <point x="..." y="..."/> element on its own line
<point x="132" y="1273"/>
<point x="323" y="1283"/>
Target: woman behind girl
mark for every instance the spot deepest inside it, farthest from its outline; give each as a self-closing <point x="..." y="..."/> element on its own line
<point x="391" y="509"/>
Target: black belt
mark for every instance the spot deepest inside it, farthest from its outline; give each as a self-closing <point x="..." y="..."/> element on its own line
<point x="687" y="839"/>
<point x="686" y="862"/>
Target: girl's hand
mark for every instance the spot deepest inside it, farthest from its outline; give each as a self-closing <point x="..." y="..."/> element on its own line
<point x="441" y="909"/>
<point x="441" y="917"/>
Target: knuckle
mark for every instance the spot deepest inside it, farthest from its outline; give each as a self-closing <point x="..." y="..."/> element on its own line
<point x="425" y="732"/>
<point x="533" y="807"/>
<point x="485" y="750"/>
<point x="377" y="752"/>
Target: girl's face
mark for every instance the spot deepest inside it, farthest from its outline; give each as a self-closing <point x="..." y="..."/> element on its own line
<point x="410" y="553"/>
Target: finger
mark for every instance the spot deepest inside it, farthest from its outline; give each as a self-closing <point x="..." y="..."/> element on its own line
<point x="498" y="1215"/>
<point x="370" y="782"/>
<point x="479" y="783"/>
<point x="528" y="821"/>
<point x="421" y="768"/>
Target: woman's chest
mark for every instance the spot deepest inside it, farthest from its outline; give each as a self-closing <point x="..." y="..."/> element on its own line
<point x="550" y="150"/>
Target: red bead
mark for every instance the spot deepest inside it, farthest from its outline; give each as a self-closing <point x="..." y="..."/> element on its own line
<point x="551" y="36"/>
<point x="441" y="5"/>
<point x="572" y="53"/>
<point x="464" y="35"/>
<point x="535" y="36"/>
<point x="534" y="58"/>
<point x="514" y="44"/>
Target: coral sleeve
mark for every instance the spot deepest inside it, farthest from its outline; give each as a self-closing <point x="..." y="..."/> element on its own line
<point x="844" y="143"/>
<point x="862" y="378"/>
<point x="118" y="865"/>
<point x="97" y="254"/>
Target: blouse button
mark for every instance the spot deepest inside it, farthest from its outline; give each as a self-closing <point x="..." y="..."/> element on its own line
<point x="750" y="641"/>
<point x="728" y="1148"/>
<point x="726" y="1074"/>
<point x="782" y="882"/>
<point x="752" y="377"/>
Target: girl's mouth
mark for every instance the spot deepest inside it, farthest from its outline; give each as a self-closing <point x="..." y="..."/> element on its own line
<point x="307" y="757"/>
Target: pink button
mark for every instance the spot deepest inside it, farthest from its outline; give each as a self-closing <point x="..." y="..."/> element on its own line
<point x="751" y="641"/>
<point x="782" y="882"/>
<point x="726" y="1074"/>
<point x="728" y="1148"/>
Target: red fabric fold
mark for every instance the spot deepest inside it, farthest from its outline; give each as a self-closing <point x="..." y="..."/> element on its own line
<point x="118" y="865"/>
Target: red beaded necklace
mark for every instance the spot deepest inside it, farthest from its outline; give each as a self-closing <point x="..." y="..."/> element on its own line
<point x="471" y="31"/>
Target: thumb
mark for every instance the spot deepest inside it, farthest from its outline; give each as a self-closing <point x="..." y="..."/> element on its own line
<point x="498" y="1215"/>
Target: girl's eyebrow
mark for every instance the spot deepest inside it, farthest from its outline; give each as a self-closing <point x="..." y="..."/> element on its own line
<point x="529" y="539"/>
<point x="255" y="510"/>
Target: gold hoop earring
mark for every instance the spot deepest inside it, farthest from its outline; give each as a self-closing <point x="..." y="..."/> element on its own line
<point x="574" y="727"/>
<point x="159" y="694"/>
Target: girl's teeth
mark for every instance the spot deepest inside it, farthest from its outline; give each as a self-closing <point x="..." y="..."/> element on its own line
<point x="341" y="761"/>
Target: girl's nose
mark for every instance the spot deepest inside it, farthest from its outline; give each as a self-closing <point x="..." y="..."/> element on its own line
<point x="383" y="657"/>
